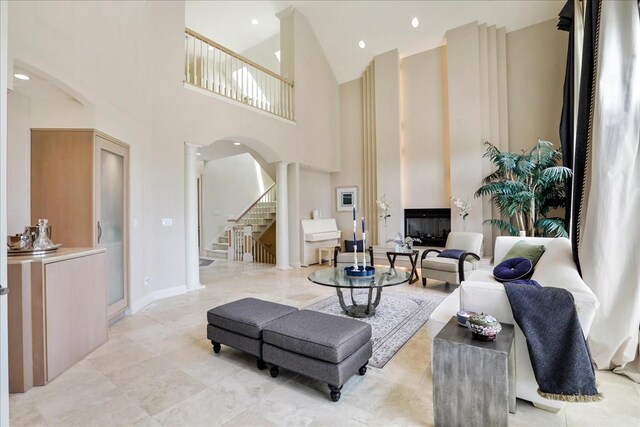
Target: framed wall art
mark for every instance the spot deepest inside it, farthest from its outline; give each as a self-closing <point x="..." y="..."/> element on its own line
<point x="346" y="198"/>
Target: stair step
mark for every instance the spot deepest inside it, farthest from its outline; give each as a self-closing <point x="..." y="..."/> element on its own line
<point x="220" y="246"/>
<point x="217" y="253"/>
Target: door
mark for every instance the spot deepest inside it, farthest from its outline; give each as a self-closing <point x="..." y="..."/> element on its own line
<point x="112" y="166"/>
<point x="4" y="350"/>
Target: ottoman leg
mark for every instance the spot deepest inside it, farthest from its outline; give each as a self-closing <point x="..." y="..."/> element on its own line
<point x="261" y="364"/>
<point x="363" y="369"/>
<point x="274" y="371"/>
<point x="424" y="281"/>
<point x="216" y="346"/>
<point x="335" y="392"/>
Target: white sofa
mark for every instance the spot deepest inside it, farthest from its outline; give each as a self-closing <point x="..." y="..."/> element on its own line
<point x="480" y="292"/>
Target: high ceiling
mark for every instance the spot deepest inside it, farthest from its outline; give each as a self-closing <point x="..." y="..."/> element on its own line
<point x="383" y="25"/>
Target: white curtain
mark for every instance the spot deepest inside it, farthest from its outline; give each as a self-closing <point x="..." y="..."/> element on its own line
<point x="610" y="243"/>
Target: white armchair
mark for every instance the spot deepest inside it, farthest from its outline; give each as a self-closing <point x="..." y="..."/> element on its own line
<point x="452" y="270"/>
<point x="482" y="293"/>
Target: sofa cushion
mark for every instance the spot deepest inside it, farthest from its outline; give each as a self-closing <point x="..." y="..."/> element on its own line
<point x="522" y="249"/>
<point x="247" y="316"/>
<point x="318" y="335"/>
<point x="348" y="245"/>
<point x="513" y="269"/>
<point x="444" y="264"/>
<point x="451" y="253"/>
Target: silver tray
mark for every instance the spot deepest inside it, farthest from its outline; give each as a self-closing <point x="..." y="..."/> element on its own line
<point x="24" y="252"/>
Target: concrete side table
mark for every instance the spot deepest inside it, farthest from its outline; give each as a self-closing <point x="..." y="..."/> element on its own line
<point x="473" y="381"/>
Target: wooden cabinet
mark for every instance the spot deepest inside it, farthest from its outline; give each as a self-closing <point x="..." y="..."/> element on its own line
<point x="57" y="313"/>
<point x="79" y="182"/>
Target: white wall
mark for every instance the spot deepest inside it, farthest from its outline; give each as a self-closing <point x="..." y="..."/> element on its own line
<point x="317" y="101"/>
<point x="19" y="164"/>
<point x="315" y="193"/>
<point x="389" y="181"/>
<point x="425" y="144"/>
<point x="264" y="53"/>
<point x="535" y="54"/>
<point x="229" y="186"/>
<point x="350" y="150"/>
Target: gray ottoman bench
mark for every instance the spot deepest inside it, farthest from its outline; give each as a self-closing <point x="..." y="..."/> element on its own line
<point x="239" y="324"/>
<point x="321" y="346"/>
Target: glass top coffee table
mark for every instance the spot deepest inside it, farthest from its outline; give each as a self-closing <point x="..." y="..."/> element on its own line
<point x="336" y="278"/>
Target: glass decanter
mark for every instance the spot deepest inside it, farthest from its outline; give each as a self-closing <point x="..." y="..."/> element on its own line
<point x="42" y="240"/>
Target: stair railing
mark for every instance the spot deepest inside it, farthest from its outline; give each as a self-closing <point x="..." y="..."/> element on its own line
<point x="244" y="247"/>
<point x="217" y="69"/>
<point x="261" y="252"/>
<point x="254" y="209"/>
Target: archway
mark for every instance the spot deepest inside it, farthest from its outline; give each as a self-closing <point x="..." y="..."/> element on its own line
<point x="226" y="147"/>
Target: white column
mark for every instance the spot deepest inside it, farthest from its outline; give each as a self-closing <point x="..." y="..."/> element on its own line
<point x="192" y="263"/>
<point x="282" y="218"/>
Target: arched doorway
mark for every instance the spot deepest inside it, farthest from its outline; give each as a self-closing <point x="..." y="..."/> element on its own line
<point x="269" y="161"/>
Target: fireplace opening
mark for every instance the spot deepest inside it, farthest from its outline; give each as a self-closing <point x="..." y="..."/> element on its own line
<point x="431" y="226"/>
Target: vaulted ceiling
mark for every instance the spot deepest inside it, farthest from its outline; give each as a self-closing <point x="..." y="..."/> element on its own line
<point x="383" y="25"/>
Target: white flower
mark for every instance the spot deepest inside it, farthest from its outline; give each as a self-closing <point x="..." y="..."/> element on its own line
<point x="384" y="206"/>
<point x="463" y="205"/>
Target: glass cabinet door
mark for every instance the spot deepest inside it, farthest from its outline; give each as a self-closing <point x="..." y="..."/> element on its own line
<point x="111" y="219"/>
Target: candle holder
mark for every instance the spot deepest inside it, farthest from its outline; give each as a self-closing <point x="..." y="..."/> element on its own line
<point x="360" y="271"/>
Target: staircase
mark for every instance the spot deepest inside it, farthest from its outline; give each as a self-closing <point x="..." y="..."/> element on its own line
<point x="231" y="242"/>
<point x="219" y="249"/>
<point x="260" y="215"/>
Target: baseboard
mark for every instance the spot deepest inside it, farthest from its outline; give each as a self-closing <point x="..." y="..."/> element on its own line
<point x="169" y="292"/>
<point x="156" y="295"/>
<point x="138" y="305"/>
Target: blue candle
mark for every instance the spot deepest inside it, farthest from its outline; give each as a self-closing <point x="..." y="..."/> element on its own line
<point x="354" y="213"/>
<point x="363" y="224"/>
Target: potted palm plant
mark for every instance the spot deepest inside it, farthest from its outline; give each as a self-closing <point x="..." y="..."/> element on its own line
<point x="525" y="187"/>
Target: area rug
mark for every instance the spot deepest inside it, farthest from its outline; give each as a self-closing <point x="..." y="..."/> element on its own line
<point x="397" y="319"/>
<point x="204" y="262"/>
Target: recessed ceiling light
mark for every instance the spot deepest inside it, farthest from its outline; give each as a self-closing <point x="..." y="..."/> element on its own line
<point x="236" y="143"/>
<point x="21" y="76"/>
<point x="254" y="21"/>
<point x="415" y="22"/>
<point x="198" y="154"/>
<point x="362" y="44"/>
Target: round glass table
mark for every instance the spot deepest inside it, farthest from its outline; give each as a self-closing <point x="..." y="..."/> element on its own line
<point x="336" y="278"/>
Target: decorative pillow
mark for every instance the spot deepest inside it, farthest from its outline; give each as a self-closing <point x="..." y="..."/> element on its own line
<point x="522" y="249"/>
<point x="513" y="269"/>
<point x="451" y="253"/>
<point x="348" y="245"/>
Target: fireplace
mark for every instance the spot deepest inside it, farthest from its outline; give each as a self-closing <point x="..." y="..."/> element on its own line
<point x="431" y="226"/>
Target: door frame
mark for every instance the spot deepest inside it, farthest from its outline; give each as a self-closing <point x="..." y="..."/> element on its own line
<point x="122" y="149"/>
<point x="4" y="346"/>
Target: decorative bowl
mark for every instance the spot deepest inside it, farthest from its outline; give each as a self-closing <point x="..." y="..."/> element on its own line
<point x="359" y="272"/>
<point x="462" y="316"/>
<point x="483" y="327"/>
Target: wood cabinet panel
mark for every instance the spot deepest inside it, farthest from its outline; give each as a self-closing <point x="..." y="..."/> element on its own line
<point x="62" y="187"/>
<point x="76" y="315"/>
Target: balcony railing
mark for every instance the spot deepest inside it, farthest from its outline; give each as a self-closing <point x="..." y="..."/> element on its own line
<point x="217" y="69"/>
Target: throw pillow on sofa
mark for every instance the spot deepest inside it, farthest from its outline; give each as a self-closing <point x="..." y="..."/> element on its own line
<point x="451" y="253"/>
<point x="523" y="249"/>
<point x="513" y="269"/>
<point x="348" y="245"/>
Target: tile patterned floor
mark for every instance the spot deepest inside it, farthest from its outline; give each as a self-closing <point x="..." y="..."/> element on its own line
<point x="158" y="369"/>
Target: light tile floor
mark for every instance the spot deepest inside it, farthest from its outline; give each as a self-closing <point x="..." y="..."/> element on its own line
<point x="159" y="369"/>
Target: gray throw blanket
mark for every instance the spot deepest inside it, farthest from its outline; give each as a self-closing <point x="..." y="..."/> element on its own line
<point x="559" y="355"/>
